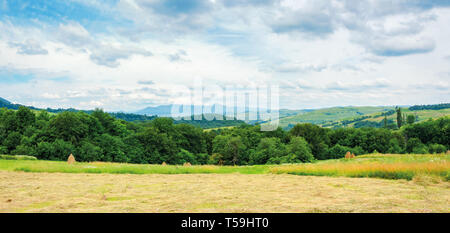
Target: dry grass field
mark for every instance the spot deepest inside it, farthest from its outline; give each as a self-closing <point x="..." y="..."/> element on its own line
<point x="71" y="192"/>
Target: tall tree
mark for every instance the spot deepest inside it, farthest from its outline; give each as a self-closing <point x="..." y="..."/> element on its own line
<point x="399" y="117"/>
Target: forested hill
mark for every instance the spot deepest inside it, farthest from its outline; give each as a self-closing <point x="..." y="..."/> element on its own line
<point x="119" y="115"/>
<point x="131" y="117"/>
<point x="100" y="137"/>
<point x="430" y="107"/>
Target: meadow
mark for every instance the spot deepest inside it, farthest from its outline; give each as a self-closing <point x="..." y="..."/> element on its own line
<point x="411" y="183"/>
<point x="388" y="166"/>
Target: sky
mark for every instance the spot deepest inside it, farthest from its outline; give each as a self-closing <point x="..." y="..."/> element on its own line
<point x="125" y="55"/>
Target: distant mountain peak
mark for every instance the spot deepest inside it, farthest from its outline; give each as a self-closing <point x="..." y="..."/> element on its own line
<point x="4" y="101"/>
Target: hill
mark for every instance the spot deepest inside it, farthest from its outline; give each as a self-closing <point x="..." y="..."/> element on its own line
<point x="329" y="115"/>
<point x="160" y="111"/>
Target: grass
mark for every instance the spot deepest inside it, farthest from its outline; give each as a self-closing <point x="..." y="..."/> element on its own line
<point x="17" y="157"/>
<point x="374" y="165"/>
<point x="218" y="193"/>
<point x="321" y="116"/>
<point x="413" y="183"/>
<point x="122" y="168"/>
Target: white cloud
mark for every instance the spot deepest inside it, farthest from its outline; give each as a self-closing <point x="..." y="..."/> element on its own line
<point x="321" y="53"/>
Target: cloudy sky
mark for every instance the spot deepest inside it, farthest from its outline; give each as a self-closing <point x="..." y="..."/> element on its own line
<point x="130" y="54"/>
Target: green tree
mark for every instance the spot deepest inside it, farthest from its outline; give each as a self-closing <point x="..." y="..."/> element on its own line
<point x="12" y="140"/>
<point x="230" y="147"/>
<point x="399" y="117"/>
<point x="267" y="148"/>
<point x="300" y="149"/>
<point x="57" y="150"/>
<point x="411" y="119"/>
<point x="414" y="145"/>
<point x="88" y="152"/>
<point x="316" y="137"/>
<point x="25" y="117"/>
<point x="68" y="127"/>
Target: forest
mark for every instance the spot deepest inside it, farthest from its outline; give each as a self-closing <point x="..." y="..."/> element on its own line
<point x="98" y="136"/>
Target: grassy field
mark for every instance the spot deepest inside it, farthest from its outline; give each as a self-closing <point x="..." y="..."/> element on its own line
<point x="414" y="183"/>
<point x="377" y="166"/>
<point x="68" y="192"/>
<point x="374" y="165"/>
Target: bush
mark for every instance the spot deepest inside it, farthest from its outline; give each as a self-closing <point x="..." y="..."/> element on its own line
<point x="183" y="157"/>
<point x="3" y="150"/>
<point x="422" y="149"/>
<point x="437" y="148"/>
<point x="338" y="151"/>
<point x="202" y="158"/>
<point x="57" y="150"/>
<point x="216" y="159"/>
<point x="357" y="150"/>
<point x="292" y="158"/>
<point x="414" y="145"/>
<point x="23" y="150"/>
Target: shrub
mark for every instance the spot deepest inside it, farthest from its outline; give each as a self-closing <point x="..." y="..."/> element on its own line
<point x="57" y="150"/>
<point x="437" y="148"/>
<point x="3" y="150"/>
<point x="23" y="150"/>
<point x="202" y="158"/>
<point x="292" y="158"/>
<point x="216" y="159"/>
<point x="338" y="151"/>
<point x="414" y="145"/>
<point x="183" y="157"/>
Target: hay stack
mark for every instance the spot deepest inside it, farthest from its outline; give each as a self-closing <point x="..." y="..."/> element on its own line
<point x="164" y="164"/>
<point x="187" y="164"/>
<point x="348" y="155"/>
<point x="353" y="155"/>
<point x="71" y="159"/>
<point x="448" y="152"/>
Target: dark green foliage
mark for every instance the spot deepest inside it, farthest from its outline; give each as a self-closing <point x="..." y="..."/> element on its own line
<point x="410" y="119"/>
<point x="399" y="117"/>
<point x="299" y="150"/>
<point x="89" y="152"/>
<point x="57" y="150"/>
<point x="68" y="127"/>
<point x="414" y="145"/>
<point x="338" y="151"/>
<point x="268" y="148"/>
<point x="182" y="157"/>
<point x="97" y="136"/>
<point x="316" y="137"/>
<point x="231" y="148"/>
<point x="436" y="148"/>
<point x="12" y="140"/>
<point x="430" y="107"/>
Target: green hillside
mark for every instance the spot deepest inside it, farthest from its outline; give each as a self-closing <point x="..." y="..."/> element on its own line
<point x="358" y="117"/>
<point x="329" y="115"/>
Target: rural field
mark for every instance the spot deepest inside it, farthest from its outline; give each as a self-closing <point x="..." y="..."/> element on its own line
<point x="369" y="183"/>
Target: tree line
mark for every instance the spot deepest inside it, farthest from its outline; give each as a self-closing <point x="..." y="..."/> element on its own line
<point x="98" y="136"/>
